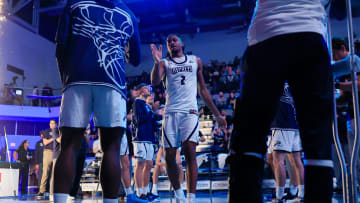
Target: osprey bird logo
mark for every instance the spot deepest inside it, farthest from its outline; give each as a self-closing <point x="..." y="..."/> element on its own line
<point x="109" y="38"/>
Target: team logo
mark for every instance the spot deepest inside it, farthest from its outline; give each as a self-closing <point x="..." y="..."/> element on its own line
<point x="277" y="144"/>
<point x="108" y="36"/>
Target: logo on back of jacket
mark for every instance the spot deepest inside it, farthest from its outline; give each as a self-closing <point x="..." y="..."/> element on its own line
<point x="108" y="35"/>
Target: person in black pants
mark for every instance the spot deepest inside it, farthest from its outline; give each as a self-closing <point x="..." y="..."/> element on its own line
<point x="39" y="150"/>
<point x="80" y="160"/>
<point x="23" y="155"/>
<point x="285" y="43"/>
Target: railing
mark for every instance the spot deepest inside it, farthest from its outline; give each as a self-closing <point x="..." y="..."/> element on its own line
<point x="23" y="96"/>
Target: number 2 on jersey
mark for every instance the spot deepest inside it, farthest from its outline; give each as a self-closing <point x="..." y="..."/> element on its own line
<point x="182" y="80"/>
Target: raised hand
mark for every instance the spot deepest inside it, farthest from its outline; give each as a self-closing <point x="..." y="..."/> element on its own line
<point x="157" y="54"/>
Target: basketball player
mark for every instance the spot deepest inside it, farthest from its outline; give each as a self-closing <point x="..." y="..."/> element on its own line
<point x="125" y="172"/>
<point x="94" y="40"/>
<point x="286" y="42"/>
<point x="182" y="73"/>
<point x="143" y="140"/>
<point x="286" y="142"/>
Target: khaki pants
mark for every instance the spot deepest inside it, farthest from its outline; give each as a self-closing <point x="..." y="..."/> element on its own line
<point x="47" y="160"/>
<point x="52" y="177"/>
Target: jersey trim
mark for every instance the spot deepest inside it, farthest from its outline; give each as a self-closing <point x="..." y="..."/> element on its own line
<point x="192" y="133"/>
<point x="180" y="62"/>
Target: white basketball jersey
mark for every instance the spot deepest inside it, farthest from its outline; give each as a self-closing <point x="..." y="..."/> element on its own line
<point x="181" y="84"/>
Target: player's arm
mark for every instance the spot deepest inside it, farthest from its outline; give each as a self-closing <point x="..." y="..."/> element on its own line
<point x="133" y="47"/>
<point x="206" y="97"/>
<point x="347" y="86"/>
<point x="15" y="155"/>
<point x="63" y="32"/>
<point x="58" y="140"/>
<point x="47" y="141"/>
<point x="159" y="66"/>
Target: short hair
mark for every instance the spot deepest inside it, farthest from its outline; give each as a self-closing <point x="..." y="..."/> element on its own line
<point x="337" y="43"/>
<point x="174" y="34"/>
<point x="53" y="120"/>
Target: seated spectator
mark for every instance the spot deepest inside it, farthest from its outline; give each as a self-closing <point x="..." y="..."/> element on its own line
<point x="220" y="139"/>
<point x="230" y="102"/>
<point x="220" y="101"/>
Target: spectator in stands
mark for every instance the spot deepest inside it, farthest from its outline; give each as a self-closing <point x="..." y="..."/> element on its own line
<point x="220" y="101"/>
<point x="39" y="150"/>
<point x="23" y="155"/>
<point x="230" y="102"/>
<point x="46" y="91"/>
<point x="231" y="81"/>
<point x="220" y="139"/>
<point x="35" y="102"/>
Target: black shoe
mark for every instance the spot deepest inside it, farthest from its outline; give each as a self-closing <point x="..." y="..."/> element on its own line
<point x="143" y="197"/>
<point x="153" y="198"/>
<point x="289" y="196"/>
<point x="40" y="194"/>
<point x="338" y="191"/>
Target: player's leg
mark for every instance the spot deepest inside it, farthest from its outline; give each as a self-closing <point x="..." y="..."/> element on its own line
<point x="179" y="162"/>
<point x="311" y="83"/>
<point x="298" y="168"/>
<point x="110" y="173"/>
<point x="110" y="115"/>
<point x="139" y="152"/>
<point x="189" y="133"/>
<point x="156" y="171"/>
<point x="262" y="85"/>
<point x="280" y="173"/>
<point x="147" y="170"/>
<point x="191" y="168"/>
<point x="74" y="116"/>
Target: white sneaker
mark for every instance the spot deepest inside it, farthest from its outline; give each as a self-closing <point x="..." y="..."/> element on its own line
<point x="180" y="200"/>
<point x="51" y="198"/>
<point x="70" y="199"/>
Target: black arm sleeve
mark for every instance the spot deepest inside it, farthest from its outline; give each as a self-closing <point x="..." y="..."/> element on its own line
<point x="62" y="36"/>
<point x="133" y="46"/>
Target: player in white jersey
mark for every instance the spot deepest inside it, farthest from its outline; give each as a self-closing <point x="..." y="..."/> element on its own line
<point x="182" y="74"/>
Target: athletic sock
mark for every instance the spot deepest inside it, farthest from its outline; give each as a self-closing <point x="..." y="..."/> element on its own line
<point x="129" y="191"/>
<point x="280" y="192"/>
<point x="138" y="191"/>
<point x="190" y="197"/>
<point x="293" y="189"/>
<point x="179" y="194"/>
<point x="301" y="191"/>
<point x="154" y="189"/>
<point x="105" y="200"/>
<point x="60" y="197"/>
<point x="146" y="189"/>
